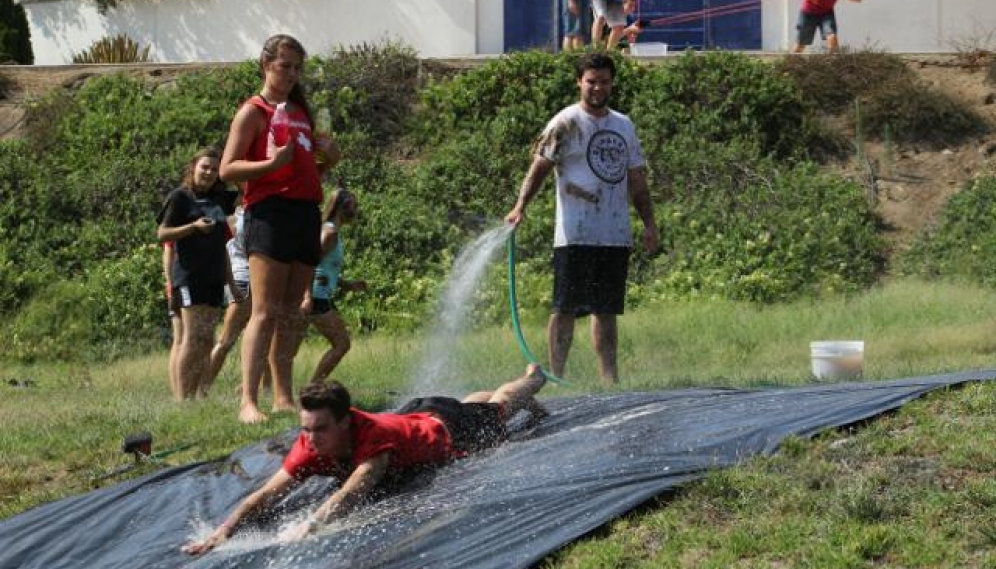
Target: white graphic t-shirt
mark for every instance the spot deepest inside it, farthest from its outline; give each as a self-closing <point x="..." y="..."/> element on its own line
<point x="592" y="156"/>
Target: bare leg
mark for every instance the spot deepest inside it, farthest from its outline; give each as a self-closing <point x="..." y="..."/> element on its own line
<point x="605" y="337"/>
<point x="333" y="327"/>
<point x="520" y="393"/>
<point x="267" y="279"/>
<point x="478" y="397"/>
<point x="174" y="358"/>
<point x="195" y="349"/>
<point x="559" y="335"/>
<point x="832" y="44"/>
<point x="286" y="335"/>
<point x="596" y="30"/>
<point x="799" y="48"/>
<point x="236" y="318"/>
<point x="614" y="35"/>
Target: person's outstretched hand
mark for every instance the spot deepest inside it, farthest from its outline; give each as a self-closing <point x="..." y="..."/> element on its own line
<point x="297" y="532"/>
<point x="219" y="536"/>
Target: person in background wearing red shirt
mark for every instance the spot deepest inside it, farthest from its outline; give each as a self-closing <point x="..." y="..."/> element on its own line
<point x="817" y="14"/>
<point x="283" y="192"/>
<point x="360" y="448"/>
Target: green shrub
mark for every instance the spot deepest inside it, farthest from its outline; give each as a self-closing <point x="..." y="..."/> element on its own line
<point x="719" y="97"/>
<point x="400" y="245"/>
<point x="116" y="49"/>
<point x="78" y="198"/>
<point x="367" y="88"/>
<point x="742" y="227"/>
<point x="890" y="97"/>
<point x="962" y="241"/>
<point x="915" y="112"/>
<point x="15" y="35"/>
<point x="831" y="82"/>
<point x="116" y="308"/>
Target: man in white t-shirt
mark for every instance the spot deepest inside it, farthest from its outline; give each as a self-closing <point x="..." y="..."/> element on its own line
<point x="599" y="169"/>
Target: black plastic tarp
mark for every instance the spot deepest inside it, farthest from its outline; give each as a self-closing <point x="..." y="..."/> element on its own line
<point x="593" y="459"/>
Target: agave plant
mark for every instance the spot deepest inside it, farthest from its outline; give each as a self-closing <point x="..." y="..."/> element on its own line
<point x="117" y="49"/>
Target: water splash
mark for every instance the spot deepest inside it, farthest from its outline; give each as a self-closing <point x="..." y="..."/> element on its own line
<point x="433" y="375"/>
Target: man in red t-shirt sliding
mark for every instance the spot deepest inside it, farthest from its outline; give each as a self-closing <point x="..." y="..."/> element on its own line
<point x="817" y="14"/>
<point x="359" y="448"/>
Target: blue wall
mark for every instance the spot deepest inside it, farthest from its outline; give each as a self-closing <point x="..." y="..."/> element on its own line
<point x="531" y="24"/>
<point x="734" y="31"/>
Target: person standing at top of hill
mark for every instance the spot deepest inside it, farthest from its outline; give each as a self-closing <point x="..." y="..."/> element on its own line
<point x="600" y="169"/>
<point x="577" y="17"/>
<point x="607" y="13"/>
<point x="272" y="147"/>
<point x="194" y="219"/>
<point x="817" y="14"/>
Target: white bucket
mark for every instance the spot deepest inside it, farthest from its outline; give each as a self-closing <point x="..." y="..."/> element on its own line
<point x="837" y="359"/>
<point x="648" y="49"/>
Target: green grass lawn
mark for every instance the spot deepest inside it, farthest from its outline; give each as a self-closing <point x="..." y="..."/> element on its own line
<point x="913" y="488"/>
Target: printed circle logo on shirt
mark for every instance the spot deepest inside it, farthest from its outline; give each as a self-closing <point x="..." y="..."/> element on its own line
<point x="607" y="156"/>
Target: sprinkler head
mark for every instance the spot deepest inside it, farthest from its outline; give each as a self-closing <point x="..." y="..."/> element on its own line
<point x="138" y="444"/>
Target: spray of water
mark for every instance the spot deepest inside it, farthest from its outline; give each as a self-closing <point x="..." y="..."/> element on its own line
<point x="433" y="375"/>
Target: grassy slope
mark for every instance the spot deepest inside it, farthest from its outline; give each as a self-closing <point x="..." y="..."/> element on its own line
<point x="912" y="489"/>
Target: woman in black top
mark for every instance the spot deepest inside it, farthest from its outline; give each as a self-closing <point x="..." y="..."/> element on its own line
<point x="194" y="218"/>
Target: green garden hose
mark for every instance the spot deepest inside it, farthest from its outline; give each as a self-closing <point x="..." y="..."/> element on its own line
<point x="514" y="305"/>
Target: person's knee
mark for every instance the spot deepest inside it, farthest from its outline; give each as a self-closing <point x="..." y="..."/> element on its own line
<point x="265" y="314"/>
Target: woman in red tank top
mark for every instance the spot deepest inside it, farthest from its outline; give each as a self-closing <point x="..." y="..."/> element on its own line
<point x="271" y="147"/>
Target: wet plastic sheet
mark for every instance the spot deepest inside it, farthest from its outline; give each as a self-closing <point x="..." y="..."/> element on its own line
<point x="593" y="459"/>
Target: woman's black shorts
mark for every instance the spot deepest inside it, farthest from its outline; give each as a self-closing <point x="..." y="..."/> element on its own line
<point x="284" y="230"/>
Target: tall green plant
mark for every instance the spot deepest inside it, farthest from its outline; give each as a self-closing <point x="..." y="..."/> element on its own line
<point x="116" y="49"/>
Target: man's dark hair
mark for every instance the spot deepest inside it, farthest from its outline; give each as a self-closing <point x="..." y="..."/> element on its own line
<point x="595" y="60"/>
<point x="332" y="396"/>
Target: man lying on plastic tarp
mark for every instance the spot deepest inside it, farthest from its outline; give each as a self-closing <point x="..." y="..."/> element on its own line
<point x="361" y="449"/>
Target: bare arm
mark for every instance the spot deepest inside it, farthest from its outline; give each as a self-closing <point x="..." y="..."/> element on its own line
<point x="166" y="233"/>
<point x="361" y="481"/>
<point x="277" y="485"/>
<point x="640" y="195"/>
<point x="532" y="183"/>
<point x="248" y="124"/>
<point x="169" y="255"/>
<point x="330" y="236"/>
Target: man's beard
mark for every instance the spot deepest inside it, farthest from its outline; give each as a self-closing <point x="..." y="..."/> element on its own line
<point x="597" y="102"/>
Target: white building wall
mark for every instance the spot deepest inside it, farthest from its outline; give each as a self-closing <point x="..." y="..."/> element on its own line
<point x="181" y="31"/>
<point x="910" y="26"/>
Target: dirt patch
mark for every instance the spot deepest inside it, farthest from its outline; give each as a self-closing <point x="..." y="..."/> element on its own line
<point x="911" y="183"/>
